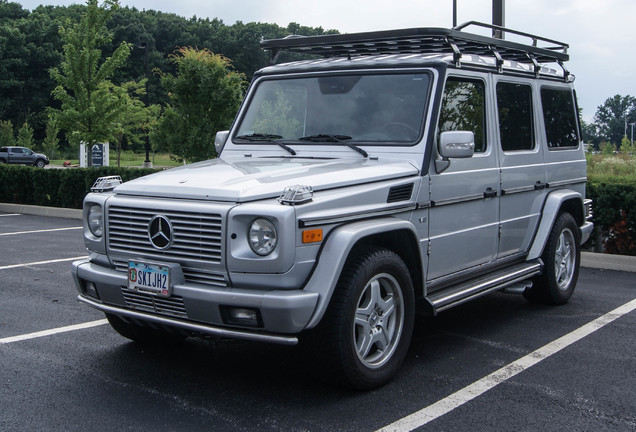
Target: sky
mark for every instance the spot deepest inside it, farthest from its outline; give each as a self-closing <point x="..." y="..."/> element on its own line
<point x="600" y="33"/>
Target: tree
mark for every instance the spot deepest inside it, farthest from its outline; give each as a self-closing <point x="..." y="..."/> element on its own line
<point x="205" y="95"/>
<point x="7" y="138"/>
<point x="90" y="106"/>
<point x="135" y="119"/>
<point x="613" y="115"/>
<point x="51" y="140"/>
<point x="626" y="145"/>
<point x="25" y="136"/>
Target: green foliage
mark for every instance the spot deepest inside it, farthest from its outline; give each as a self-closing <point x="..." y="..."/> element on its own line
<point x="205" y="95"/>
<point x="25" y="136"/>
<point x="615" y="214"/>
<point x="607" y="149"/>
<point x="56" y="187"/>
<point x="626" y="145"/>
<point x="51" y="140"/>
<point x="7" y="138"/>
<point x="90" y="104"/>
<point x="610" y="117"/>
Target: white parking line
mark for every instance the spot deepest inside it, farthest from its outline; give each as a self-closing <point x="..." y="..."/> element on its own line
<point x="53" y="331"/>
<point x="10" y="214"/>
<point x="40" y="231"/>
<point x="42" y="262"/>
<point x="459" y="398"/>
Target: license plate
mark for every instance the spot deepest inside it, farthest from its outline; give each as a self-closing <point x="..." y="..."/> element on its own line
<point x="153" y="279"/>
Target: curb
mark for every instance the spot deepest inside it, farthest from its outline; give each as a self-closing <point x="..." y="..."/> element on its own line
<point x="608" y="261"/>
<point x="41" y="211"/>
<point x="588" y="259"/>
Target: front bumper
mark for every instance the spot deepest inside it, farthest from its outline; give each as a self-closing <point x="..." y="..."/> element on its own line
<point x="199" y="309"/>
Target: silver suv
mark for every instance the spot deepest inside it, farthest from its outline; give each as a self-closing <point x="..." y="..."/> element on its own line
<point x="393" y="170"/>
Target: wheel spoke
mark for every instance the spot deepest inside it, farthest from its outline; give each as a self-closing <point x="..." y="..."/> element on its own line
<point x="364" y="344"/>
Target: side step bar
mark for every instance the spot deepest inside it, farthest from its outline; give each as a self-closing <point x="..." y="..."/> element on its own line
<point x="471" y="289"/>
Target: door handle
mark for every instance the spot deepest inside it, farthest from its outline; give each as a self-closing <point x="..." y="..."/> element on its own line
<point x="489" y="193"/>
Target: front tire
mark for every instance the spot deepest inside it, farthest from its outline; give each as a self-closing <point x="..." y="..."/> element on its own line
<point x="364" y="336"/>
<point x="561" y="258"/>
<point x="39" y="163"/>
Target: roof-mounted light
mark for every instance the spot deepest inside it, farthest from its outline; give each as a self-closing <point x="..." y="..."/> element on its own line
<point x="106" y="184"/>
<point x="297" y="194"/>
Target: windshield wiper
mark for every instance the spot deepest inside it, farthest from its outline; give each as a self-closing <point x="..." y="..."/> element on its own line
<point x="268" y="138"/>
<point x="335" y="138"/>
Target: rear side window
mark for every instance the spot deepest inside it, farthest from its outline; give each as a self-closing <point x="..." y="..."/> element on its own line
<point x="516" y="126"/>
<point x="559" y="115"/>
<point x="464" y="109"/>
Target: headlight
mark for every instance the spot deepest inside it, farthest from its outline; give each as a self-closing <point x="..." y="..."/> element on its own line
<point x="96" y="220"/>
<point x="262" y="237"/>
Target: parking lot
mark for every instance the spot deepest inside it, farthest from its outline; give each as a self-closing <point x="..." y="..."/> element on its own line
<point x="498" y="363"/>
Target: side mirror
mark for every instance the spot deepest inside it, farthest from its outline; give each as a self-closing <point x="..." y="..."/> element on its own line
<point x="456" y="144"/>
<point x="220" y="140"/>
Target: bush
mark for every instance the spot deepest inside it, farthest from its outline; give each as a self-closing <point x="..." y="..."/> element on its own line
<point x="615" y="214"/>
<point x="56" y="187"/>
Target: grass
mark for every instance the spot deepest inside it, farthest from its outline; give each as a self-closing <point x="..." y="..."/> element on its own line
<point x="130" y="159"/>
<point x="618" y="168"/>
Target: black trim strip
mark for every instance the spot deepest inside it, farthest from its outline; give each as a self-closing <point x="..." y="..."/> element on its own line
<point x="457" y="200"/>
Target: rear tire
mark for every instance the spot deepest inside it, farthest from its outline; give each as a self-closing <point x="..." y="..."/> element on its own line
<point x="561" y="259"/>
<point x="142" y="334"/>
<point x="365" y="333"/>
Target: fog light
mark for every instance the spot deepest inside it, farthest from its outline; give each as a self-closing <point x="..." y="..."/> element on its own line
<point x="241" y="316"/>
<point x="90" y="290"/>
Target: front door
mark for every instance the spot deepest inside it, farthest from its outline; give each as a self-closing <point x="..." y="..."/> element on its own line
<point x="464" y="213"/>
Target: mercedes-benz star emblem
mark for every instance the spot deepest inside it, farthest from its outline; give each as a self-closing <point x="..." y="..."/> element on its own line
<point x="160" y="232"/>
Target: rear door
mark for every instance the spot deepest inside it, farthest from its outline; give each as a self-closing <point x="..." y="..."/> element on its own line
<point x="523" y="177"/>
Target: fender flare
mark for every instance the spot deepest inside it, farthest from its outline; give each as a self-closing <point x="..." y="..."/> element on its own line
<point x="335" y="252"/>
<point x="551" y="207"/>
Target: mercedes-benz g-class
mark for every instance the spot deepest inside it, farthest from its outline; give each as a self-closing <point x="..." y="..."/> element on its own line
<point x="390" y="171"/>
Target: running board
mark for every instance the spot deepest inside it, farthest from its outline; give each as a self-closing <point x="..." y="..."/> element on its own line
<point x="469" y="290"/>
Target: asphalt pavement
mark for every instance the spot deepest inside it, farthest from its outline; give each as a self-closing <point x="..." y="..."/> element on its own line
<point x="495" y="364"/>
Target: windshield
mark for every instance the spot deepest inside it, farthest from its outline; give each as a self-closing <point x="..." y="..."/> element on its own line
<point x="361" y="108"/>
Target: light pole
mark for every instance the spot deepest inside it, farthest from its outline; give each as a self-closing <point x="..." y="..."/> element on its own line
<point x="632" y="125"/>
<point x="144" y="46"/>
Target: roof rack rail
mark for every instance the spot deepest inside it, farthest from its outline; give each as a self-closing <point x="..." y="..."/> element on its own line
<point x="430" y="40"/>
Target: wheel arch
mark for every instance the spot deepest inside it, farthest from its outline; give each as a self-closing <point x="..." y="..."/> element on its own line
<point x="394" y="234"/>
<point x="556" y="203"/>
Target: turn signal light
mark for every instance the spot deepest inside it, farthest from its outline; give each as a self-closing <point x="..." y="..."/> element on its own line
<point x="312" y="236"/>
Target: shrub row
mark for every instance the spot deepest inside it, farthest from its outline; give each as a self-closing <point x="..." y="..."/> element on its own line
<point x="56" y="187"/>
<point x="614" y="202"/>
<point x="614" y="214"/>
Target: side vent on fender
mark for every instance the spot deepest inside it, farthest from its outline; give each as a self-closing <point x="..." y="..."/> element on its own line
<point x="400" y="193"/>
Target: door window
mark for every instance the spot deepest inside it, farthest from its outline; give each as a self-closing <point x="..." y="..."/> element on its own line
<point x="514" y="106"/>
<point x="464" y="109"/>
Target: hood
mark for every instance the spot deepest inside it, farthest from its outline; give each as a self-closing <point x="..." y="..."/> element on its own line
<point x="245" y="179"/>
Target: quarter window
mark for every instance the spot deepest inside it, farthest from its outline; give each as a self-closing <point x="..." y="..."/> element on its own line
<point x="516" y="127"/>
<point x="559" y="116"/>
<point x="463" y="109"/>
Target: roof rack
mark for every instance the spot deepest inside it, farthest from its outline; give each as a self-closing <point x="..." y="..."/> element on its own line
<point x="426" y="41"/>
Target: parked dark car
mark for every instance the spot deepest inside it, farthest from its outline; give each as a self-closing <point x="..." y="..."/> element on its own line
<point x="22" y="155"/>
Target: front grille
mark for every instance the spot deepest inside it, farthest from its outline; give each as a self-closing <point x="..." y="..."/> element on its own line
<point x="196" y="237"/>
<point x="172" y="306"/>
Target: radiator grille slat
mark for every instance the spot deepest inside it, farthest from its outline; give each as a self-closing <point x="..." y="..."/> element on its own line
<point x="128" y="233"/>
<point x="172" y="306"/>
